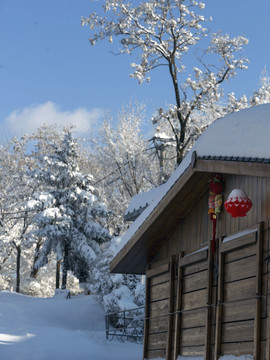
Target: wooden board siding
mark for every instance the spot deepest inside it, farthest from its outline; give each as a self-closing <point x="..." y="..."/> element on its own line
<point x="194" y="300"/>
<point x="209" y="318"/>
<point x="196" y="229"/>
<point x="177" y="308"/>
<point x="213" y="317"/>
<point x="238" y="285"/>
<point x="158" y="324"/>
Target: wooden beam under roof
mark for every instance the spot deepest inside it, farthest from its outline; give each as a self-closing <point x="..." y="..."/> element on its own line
<point x="252" y="168"/>
<point x="174" y="207"/>
<point x="160" y="224"/>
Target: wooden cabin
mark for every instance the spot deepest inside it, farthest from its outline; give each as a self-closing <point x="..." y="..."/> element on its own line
<point x="204" y="302"/>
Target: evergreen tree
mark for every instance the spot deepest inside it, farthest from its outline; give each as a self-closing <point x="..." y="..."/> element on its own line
<point x="115" y="292"/>
<point x="16" y="220"/>
<point x="70" y="218"/>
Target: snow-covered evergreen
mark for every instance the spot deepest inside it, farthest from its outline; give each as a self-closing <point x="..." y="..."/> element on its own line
<point x="115" y="292"/>
<point x="70" y="218"/>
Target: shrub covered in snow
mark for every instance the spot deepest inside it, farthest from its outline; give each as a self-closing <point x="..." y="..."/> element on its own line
<point x="115" y="292"/>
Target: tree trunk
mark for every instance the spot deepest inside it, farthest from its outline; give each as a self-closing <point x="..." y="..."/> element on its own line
<point x="18" y="248"/>
<point x="162" y="165"/>
<point x="180" y="140"/>
<point x="57" y="278"/>
<point x="64" y="278"/>
<point x="34" y="271"/>
<point x="65" y="268"/>
<point x="179" y="153"/>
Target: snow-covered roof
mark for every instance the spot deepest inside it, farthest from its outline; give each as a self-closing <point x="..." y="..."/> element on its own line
<point x="241" y="134"/>
<point x="140" y="201"/>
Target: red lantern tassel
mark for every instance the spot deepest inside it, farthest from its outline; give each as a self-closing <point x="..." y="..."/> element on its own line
<point x="214" y="219"/>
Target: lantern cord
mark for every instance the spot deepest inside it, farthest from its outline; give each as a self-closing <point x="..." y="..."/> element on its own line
<point x="214" y="219"/>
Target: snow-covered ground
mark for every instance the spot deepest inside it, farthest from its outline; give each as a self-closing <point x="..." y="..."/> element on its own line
<point x="57" y="329"/>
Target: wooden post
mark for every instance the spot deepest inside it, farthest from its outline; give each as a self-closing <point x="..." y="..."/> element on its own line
<point x="171" y="306"/>
<point x="178" y="309"/>
<point x="257" y="318"/>
<point x="209" y="303"/>
<point x="146" y="315"/>
<point x="267" y="299"/>
<point x="219" y="302"/>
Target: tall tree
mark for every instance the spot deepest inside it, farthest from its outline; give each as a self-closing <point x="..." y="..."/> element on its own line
<point x="125" y="164"/>
<point x="260" y="96"/>
<point x="70" y="218"/>
<point x="15" y="190"/>
<point x="162" y="33"/>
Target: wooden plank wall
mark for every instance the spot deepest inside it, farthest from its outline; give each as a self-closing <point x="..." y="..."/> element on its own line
<point x="159" y="285"/>
<point x="239" y="319"/>
<point x="240" y="316"/>
<point x="193" y="311"/>
<point x="192" y="314"/>
<point x="196" y="228"/>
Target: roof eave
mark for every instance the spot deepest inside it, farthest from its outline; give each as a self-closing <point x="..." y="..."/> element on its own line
<point x="134" y="256"/>
<point x="117" y="264"/>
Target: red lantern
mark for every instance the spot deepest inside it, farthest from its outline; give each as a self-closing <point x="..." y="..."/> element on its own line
<point x="238" y="203"/>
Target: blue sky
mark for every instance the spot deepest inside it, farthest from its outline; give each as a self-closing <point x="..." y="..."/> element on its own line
<point x="49" y="72"/>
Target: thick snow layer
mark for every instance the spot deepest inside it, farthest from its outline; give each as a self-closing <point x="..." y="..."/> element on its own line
<point x="244" y="133"/>
<point x="48" y="329"/>
<point x="142" y="200"/>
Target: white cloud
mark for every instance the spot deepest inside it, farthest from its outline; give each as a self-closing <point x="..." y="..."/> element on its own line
<point x="27" y="120"/>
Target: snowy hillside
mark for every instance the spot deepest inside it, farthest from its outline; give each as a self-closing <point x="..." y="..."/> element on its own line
<point x="56" y="329"/>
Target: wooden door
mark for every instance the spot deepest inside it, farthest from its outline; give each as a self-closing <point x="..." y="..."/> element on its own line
<point x="239" y="294"/>
<point x="207" y="305"/>
<point x="193" y="310"/>
<point x="215" y="318"/>
<point x="159" y="310"/>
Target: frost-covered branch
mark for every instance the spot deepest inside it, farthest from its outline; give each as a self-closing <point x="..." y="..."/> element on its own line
<point x="162" y="33"/>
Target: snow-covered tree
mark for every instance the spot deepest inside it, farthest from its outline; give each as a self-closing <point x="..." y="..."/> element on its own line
<point x="16" y="220"/>
<point x="43" y="284"/>
<point x="260" y="96"/>
<point x="162" y="34"/>
<point x="115" y="292"/>
<point x="123" y="162"/>
<point x="70" y="218"/>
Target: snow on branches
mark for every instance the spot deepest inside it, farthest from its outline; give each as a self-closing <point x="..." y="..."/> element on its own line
<point x="69" y="216"/>
<point x="162" y="33"/>
<point x="161" y="29"/>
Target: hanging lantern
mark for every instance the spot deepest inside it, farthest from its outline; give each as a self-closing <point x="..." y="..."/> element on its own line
<point x="215" y="195"/>
<point x="238" y="203"/>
